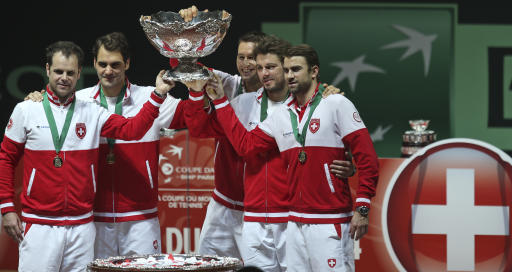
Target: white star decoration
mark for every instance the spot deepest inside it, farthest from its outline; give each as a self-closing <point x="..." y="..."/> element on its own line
<point x="352" y="69"/>
<point x="378" y="133"/>
<point x="417" y="42"/>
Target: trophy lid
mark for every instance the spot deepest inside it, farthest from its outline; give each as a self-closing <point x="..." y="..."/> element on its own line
<point x="419" y="125"/>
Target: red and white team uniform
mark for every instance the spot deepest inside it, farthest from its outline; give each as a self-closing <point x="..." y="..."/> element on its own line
<point x="125" y="208"/>
<point x="60" y="197"/>
<point x="320" y="203"/>
<point x="221" y="233"/>
<point x="266" y="191"/>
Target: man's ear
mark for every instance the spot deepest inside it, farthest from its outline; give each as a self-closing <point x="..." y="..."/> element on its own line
<point x="314" y="72"/>
<point x="127" y="64"/>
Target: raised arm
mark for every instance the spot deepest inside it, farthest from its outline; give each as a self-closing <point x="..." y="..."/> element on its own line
<point x="245" y="142"/>
<point x="119" y="127"/>
<point x="201" y="118"/>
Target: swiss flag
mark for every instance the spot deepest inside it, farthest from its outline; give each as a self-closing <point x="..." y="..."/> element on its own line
<point x="448" y="209"/>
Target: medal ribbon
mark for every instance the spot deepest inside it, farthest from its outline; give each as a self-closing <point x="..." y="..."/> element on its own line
<point x="240" y="89"/>
<point x="118" y="109"/>
<point x="264" y="105"/>
<point x="58" y="142"/>
<point x="301" y="138"/>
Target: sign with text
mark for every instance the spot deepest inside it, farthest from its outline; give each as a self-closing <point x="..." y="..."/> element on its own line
<point x="185" y="186"/>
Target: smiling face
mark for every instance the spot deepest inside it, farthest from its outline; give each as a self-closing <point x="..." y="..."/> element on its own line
<point x="246" y="62"/>
<point x="63" y="74"/>
<point x="270" y="72"/>
<point x="111" y="67"/>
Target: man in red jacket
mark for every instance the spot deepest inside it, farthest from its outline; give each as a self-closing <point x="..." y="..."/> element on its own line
<point x="59" y="139"/>
<point x="222" y="229"/>
<point x="125" y="209"/>
<point x="310" y="132"/>
<point x="265" y="185"/>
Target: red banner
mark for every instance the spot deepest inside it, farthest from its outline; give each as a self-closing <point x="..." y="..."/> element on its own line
<point x="185" y="183"/>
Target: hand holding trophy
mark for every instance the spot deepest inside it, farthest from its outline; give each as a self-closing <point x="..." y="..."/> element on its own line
<point x="186" y="41"/>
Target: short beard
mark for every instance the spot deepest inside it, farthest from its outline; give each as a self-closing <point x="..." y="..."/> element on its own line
<point x="277" y="88"/>
<point x="301" y="88"/>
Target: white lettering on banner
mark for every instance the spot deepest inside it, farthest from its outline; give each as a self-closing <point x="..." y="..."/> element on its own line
<point x="183" y="169"/>
<point x="185" y="201"/>
<point x="199" y="177"/>
<point x="168" y="197"/>
<point x="460" y="219"/>
<point x="204" y="198"/>
<point x="190" y="205"/>
<point x="183" y="240"/>
<point x="190" y="173"/>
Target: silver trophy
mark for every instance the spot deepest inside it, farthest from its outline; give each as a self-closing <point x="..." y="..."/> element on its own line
<point x="186" y="41"/>
<point x="417" y="138"/>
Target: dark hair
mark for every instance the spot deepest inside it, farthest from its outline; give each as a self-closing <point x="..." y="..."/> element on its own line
<point x="67" y="49"/>
<point x="115" y="41"/>
<point x="272" y="44"/>
<point x="306" y="51"/>
<point x="252" y="36"/>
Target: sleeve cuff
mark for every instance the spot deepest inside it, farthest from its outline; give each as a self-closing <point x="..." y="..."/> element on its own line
<point x="221" y="102"/>
<point x="7" y="207"/>
<point x="156" y="100"/>
<point x="361" y="201"/>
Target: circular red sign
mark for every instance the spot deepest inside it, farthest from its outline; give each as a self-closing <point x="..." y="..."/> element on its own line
<point x="446" y="208"/>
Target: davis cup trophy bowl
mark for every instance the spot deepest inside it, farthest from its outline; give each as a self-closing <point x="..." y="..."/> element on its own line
<point x="417" y="138"/>
<point x="186" y="41"/>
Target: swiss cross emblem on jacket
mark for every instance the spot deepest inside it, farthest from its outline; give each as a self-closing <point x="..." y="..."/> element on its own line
<point x="80" y="130"/>
<point x="314" y="125"/>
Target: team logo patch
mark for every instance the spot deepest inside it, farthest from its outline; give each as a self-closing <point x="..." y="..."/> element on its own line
<point x="331" y="263"/>
<point x="9" y="125"/>
<point x="155" y="244"/>
<point x="356" y="116"/>
<point x="80" y="130"/>
<point x="314" y="125"/>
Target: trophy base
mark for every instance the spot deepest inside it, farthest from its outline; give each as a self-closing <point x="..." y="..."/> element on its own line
<point x="413" y="141"/>
<point x="187" y="71"/>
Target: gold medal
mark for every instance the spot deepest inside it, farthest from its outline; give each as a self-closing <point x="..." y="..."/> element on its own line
<point x="111" y="158"/>
<point x="302" y="156"/>
<point x="57" y="161"/>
